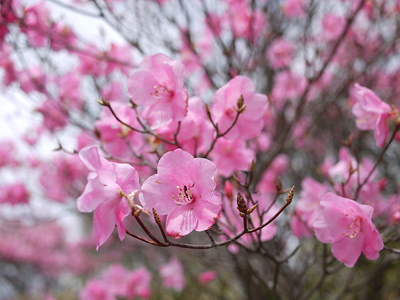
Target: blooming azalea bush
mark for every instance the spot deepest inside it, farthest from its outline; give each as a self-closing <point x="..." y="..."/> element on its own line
<point x="237" y="149"/>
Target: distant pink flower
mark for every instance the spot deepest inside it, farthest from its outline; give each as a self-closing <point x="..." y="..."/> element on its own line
<point x="7" y="154"/>
<point x="36" y="23"/>
<point x="280" y="53"/>
<point x="173" y="275"/>
<point x="196" y="131"/>
<point x="244" y="21"/>
<point x="288" y="86"/>
<point x="348" y="227"/>
<point x="113" y="91"/>
<point x="159" y="87"/>
<point x="7" y="64"/>
<point x="233" y="223"/>
<point x="230" y="156"/>
<point x="332" y="26"/>
<point x="96" y="290"/>
<point x="206" y="277"/>
<point x="118" y="139"/>
<point x="102" y="193"/>
<point x="371" y="113"/>
<point x="54" y="115"/>
<point x="307" y="207"/>
<point x="69" y="89"/>
<point x="32" y="79"/>
<point x="90" y="60"/>
<point x="278" y="166"/>
<point x="62" y="36"/>
<point x="294" y="8"/>
<point x="68" y="174"/>
<point x="138" y="284"/>
<point x="14" y="194"/>
<point x="183" y="189"/>
<point x="224" y="110"/>
<point x="118" y="58"/>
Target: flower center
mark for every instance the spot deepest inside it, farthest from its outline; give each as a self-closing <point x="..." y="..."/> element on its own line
<point x="184" y="196"/>
<point x="161" y="91"/>
<point x="353" y="228"/>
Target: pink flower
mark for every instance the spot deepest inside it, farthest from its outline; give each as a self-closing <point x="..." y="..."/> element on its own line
<point x="348" y="227"/>
<point x="230" y="156"/>
<point x="113" y="91"/>
<point x="294" y="8"/>
<point x="159" y="87"/>
<point x="250" y="122"/>
<point x="183" y="189"/>
<point x="307" y="208"/>
<point x="54" y="115"/>
<point x="278" y="166"/>
<point x="232" y="222"/>
<point x="288" y="86"/>
<point x="371" y="113"/>
<point x="102" y="193"/>
<point x="280" y="53"/>
<point x="14" y="194"/>
<point x="332" y="26"/>
<point x="196" y="132"/>
<point x="138" y="284"/>
<point x="118" y="139"/>
<point x="173" y="275"/>
<point x="207" y="277"/>
<point x="96" y="290"/>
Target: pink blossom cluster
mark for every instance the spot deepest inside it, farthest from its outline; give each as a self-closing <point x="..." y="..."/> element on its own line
<point x="117" y="282"/>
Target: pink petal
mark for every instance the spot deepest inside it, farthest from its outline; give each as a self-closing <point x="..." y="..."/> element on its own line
<point x="348" y="250"/>
<point x="104" y="219"/>
<point x="372" y="242"/>
<point x="174" y="167"/>
<point x="96" y="163"/>
<point x="207" y="212"/>
<point x="141" y="88"/>
<point x="126" y="177"/>
<point x="121" y="212"/>
<point x="181" y="221"/>
<point x="158" y="195"/>
<point x="382" y="130"/>
<point x="92" y="196"/>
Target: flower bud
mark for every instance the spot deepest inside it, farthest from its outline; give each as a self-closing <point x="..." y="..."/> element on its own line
<point x="241" y="203"/>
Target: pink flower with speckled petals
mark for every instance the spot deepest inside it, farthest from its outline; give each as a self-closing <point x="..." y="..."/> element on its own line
<point x="183" y="189"/>
<point x="102" y="193"/>
<point x="371" y="113"/>
<point x="250" y="122"/>
<point x="348" y="227"/>
<point x="159" y="87"/>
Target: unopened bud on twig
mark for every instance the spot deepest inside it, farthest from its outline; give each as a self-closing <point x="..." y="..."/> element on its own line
<point x="156" y="217"/>
<point x="240" y="110"/>
<point x="240" y="102"/>
<point x="289" y="197"/>
<point x="103" y="102"/>
<point x="241" y="203"/>
<point x="251" y="209"/>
